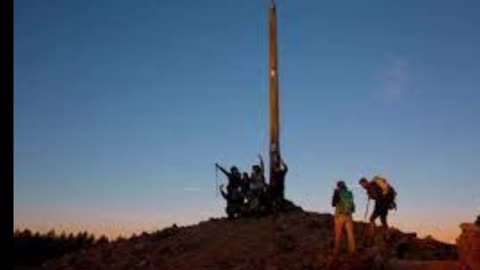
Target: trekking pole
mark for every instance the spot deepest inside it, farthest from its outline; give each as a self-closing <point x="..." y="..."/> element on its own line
<point x="366" y="224"/>
<point x="366" y="210"/>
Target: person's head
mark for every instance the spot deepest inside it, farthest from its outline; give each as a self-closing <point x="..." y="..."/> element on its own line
<point x="341" y="185"/>
<point x="234" y="169"/>
<point x="363" y="182"/>
<point x="245" y="175"/>
<point x="256" y="169"/>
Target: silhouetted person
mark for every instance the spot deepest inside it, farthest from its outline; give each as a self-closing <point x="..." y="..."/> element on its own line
<point x="245" y="186"/>
<point x="257" y="186"/>
<point x="257" y="177"/>
<point x="277" y="183"/>
<point x="344" y="204"/>
<point x="234" y="176"/>
<point x="233" y="196"/>
<point x="383" y="195"/>
<point x="234" y="199"/>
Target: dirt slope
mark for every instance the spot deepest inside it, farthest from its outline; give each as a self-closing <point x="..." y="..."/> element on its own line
<point x="292" y="240"/>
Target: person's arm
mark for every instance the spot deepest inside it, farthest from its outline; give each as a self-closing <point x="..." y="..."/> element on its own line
<point x="353" y="201"/>
<point x="224" y="195"/>
<point x="262" y="165"/>
<point x="222" y="169"/>
<point x="392" y="191"/>
<point x="370" y="192"/>
<point x="285" y="168"/>
<point x="335" y="198"/>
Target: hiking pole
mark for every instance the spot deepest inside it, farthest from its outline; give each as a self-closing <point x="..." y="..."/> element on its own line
<point x="366" y="210"/>
<point x="366" y="224"/>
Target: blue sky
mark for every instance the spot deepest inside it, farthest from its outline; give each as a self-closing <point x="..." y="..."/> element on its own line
<point x="121" y="108"/>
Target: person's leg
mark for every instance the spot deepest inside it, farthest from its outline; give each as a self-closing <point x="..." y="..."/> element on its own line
<point x="338" y="224"/>
<point x="375" y="214"/>
<point x="384" y="212"/>
<point x="350" y="235"/>
<point x="229" y="211"/>
<point x="281" y="192"/>
<point x="237" y="208"/>
<point x="383" y="218"/>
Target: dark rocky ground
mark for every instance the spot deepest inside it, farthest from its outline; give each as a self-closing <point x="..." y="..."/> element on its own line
<point x="291" y="240"/>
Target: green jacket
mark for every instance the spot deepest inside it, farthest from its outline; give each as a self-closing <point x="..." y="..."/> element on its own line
<point x="343" y="202"/>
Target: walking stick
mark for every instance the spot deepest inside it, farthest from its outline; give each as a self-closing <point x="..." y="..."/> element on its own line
<point x="366" y="210"/>
<point x="366" y="223"/>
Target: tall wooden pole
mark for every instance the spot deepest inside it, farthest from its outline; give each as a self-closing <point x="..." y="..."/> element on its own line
<point x="273" y="96"/>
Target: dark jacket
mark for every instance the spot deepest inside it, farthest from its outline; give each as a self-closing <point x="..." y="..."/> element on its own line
<point x="374" y="191"/>
<point x="335" y="198"/>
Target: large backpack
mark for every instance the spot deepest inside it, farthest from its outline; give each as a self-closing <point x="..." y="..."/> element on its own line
<point x="392" y="195"/>
<point x="383" y="184"/>
<point x="387" y="191"/>
<point x="346" y="203"/>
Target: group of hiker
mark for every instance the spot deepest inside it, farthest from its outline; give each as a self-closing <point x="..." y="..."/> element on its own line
<point x="249" y="194"/>
<point x="378" y="190"/>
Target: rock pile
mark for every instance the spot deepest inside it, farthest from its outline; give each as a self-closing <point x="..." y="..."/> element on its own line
<point x="469" y="246"/>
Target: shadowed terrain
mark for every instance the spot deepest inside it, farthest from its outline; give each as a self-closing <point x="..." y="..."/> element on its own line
<point x="290" y="240"/>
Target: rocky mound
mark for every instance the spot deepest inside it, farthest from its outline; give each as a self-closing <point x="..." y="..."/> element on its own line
<point x="469" y="245"/>
<point x="291" y="240"/>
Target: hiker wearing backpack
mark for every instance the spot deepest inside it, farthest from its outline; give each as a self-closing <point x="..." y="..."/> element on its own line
<point x="383" y="194"/>
<point x="344" y="205"/>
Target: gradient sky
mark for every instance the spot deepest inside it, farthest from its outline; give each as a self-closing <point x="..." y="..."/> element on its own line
<point x="121" y="108"/>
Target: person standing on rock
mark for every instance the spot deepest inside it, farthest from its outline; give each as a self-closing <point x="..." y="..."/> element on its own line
<point x="233" y="196"/>
<point x="234" y="200"/>
<point x="384" y="196"/>
<point x="278" y="187"/>
<point x="344" y="204"/>
<point x="234" y="176"/>
<point x="257" y="187"/>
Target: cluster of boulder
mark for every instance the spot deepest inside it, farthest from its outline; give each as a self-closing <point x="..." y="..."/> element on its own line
<point x="469" y="245"/>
